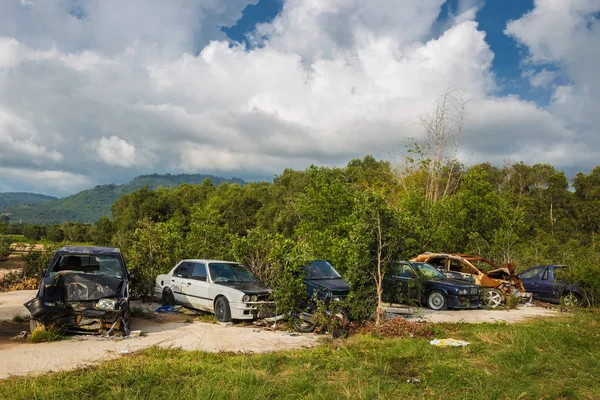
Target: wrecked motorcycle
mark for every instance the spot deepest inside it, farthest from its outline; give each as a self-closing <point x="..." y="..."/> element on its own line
<point x="322" y="311"/>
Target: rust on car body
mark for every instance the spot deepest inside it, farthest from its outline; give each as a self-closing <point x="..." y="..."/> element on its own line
<point x="463" y="266"/>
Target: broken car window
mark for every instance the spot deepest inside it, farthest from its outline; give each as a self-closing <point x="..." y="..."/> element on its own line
<point x="321" y="269"/>
<point x="427" y="271"/>
<point x="89" y="264"/>
<point x="184" y="270"/>
<point x="531" y="275"/>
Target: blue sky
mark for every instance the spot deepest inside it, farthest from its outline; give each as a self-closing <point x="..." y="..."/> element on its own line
<point x="95" y="92"/>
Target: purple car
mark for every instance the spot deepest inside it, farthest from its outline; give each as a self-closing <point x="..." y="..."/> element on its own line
<point x="540" y="280"/>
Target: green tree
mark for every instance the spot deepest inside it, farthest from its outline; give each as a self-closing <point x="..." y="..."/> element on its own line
<point x="156" y="248"/>
<point x="102" y="232"/>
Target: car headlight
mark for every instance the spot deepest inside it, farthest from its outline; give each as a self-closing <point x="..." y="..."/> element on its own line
<point x="463" y="291"/>
<point x="246" y="298"/>
<point x="106" y="304"/>
<point x="255" y="298"/>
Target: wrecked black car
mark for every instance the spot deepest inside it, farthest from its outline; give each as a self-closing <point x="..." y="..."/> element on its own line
<point x="319" y="275"/>
<point x="85" y="290"/>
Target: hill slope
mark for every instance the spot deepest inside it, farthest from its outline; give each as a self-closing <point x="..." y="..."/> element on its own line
<point x="92" y="204"/>
<point x="18" y="198"/>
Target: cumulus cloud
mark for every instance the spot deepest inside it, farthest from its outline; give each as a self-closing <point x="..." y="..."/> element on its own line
<point x="115" y="151"/>
<point x="102" y="89"/>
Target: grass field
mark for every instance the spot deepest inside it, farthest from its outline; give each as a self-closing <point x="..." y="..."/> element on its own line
<point x="555" y="358"/>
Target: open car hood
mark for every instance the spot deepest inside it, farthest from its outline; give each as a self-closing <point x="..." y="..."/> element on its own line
<point x="71" y="286"/>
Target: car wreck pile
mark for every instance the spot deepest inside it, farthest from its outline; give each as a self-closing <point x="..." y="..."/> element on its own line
<point x="86" y="289"/>
<point x="499" y="284"/>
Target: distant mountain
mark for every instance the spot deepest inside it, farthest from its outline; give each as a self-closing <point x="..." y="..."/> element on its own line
<point x="18" y="198"/>
<point x="92" y="204"/>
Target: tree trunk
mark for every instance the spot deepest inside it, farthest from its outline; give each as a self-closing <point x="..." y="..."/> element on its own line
<point x="379" y="315"/>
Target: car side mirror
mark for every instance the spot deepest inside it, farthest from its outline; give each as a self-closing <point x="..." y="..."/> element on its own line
<point x="131" y="274"/>
<point x="43" y="273"/>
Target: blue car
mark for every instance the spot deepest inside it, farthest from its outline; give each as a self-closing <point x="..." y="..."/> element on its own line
<point x="540" y="280"/>
<point x="423" y="283"/>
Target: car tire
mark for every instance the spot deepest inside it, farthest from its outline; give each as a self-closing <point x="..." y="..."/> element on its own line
<point x="222" y="310"/>
<point x="303" y="326"/>
<point x="342" y="330"/>
<point x="493" y="297"/>
<point x="571" y="299"/>
<point x="34" y="324"/>
<point x="437" y="300"/>
<point x="167" y="298"/>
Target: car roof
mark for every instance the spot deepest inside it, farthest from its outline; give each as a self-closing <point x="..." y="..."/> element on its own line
<point x="208" y="261"/>
<point x="92" y="250"/>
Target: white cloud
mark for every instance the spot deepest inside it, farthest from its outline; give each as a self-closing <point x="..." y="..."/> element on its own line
<point x="566" y="34"/>
<point x="152" y="86"/>
<point x="115" y="151"/>
<point x="47" y="181"/>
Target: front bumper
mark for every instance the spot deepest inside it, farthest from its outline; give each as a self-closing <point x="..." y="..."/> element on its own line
<point x="80" y="316"/>
<point x="253" y="310"/>
<point x="464" y="301"/>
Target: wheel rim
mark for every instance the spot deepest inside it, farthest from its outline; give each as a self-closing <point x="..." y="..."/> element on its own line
<point x="493" y="298"/>
<point x="571" y="300"/>
<point x="436" y="301"/>
<point x="304" y="324"/>
<point x="220" y="310"/>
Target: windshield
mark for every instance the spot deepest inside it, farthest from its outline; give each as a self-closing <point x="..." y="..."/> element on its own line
<point x="90" y="264"/>
<point x="321" y="269"/>
<point x="229" y="272"/>
<point x="427" y="270"/>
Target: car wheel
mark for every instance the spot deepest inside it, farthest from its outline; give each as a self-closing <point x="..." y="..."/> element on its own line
<point x="436" y="300"/>
<point x="571" y="300"/>
<point x="303" y="326"/>
<point x="222" y="310"/>
<point x="493" y="297"/>
<point x="167" y="298"/>
<point x="340" y="328"/>
<point x="34" y="324"/>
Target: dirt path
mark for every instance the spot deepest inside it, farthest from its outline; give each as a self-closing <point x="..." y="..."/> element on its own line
<point x="12" y="264"/>
<point x="470" y="316"/>
<point x="23" y="358"/>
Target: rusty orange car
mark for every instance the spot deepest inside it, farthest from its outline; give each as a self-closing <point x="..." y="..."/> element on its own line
<point x="499" y="283"/>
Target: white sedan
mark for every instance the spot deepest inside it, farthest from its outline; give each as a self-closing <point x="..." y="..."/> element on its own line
<point x="225" y="288"/>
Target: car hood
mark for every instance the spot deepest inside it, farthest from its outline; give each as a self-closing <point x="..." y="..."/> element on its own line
<point x="250" y="287"/>
<point x="71" y="286"/>
<point x="338" y="286"/>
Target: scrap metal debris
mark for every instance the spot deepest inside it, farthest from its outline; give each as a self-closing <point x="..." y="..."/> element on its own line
<point x="449" y="342"/>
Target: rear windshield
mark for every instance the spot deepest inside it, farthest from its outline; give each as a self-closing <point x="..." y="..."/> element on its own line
<point x="90" y="264"/>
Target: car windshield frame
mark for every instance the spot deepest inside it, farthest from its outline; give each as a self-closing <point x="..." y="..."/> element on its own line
<point x="86" y="266"/>
<point x="427" y="270"/>
<point x="320" y="269"/>
<point x="233" y="273"/>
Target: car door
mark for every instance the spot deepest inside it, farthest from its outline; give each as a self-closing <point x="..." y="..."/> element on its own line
<point x="531" y="281"/>
<point x="409" y="287"/>
<point x="179" y="281"/>
<point x="547" y="290"/>
<point x="197" y="288"/>
<point x="392" y="284"/>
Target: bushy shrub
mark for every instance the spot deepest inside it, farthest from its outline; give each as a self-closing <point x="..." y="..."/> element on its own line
<point x="156" y="248"/>
<point x="5" y="248"/>
<point x="37" y="259"/>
